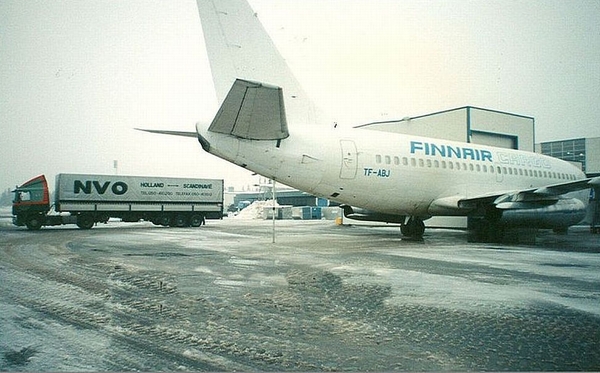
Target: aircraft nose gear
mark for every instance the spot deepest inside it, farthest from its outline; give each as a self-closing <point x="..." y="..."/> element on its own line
<point x="413" y="228"/>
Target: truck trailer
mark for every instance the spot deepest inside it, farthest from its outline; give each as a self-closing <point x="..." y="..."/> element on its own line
<point x="85" y="200"/>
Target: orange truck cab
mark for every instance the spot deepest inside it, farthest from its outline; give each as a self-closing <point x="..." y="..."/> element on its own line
<point x="31" y="203"/>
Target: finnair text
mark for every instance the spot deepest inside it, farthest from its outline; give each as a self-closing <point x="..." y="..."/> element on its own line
<point x="449" y="151"/>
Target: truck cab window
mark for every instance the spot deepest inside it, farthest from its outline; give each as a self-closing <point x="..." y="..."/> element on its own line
<point x="23" y="196"/>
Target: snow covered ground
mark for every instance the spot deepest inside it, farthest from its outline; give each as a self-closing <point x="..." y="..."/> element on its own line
<point x="133" y="296"/>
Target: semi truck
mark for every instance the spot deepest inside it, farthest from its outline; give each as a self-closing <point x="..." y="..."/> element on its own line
<point x="85" y="200"/>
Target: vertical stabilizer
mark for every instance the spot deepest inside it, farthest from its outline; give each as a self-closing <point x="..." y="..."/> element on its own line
<point x="239" y="47"/>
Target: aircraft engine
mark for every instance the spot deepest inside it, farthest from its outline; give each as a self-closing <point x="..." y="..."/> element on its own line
<point x="357" y="213"/>
<point x="562" y="214"/>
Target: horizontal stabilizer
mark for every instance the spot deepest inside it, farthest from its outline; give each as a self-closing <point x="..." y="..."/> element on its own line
<point x="173" y="133"/>
<point x="253" y="111"/>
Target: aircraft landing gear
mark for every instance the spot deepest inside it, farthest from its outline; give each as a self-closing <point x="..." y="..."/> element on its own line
<point x="413" y="228"/>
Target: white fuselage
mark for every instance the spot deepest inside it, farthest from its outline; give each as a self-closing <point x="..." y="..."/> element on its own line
<point x="391" y="173"/>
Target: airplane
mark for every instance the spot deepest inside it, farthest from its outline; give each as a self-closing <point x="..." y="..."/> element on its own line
<point x="386" y="177"/>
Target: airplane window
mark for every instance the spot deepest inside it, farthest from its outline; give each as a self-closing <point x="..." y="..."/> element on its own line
<point x="520" y="172"/>
<point x="470" y="167"/>
<point x="421" y="163"/>
<point x="388" y="160"/>
<point x="429" y="163"/>
<point x="492" y="170"/>
<point x="457" y="166"/>
<point x="478" y="168"/>
<point x="396" y="161"/>
<point x="515" y="171"/>
<point x="464" y="166"/>
<point x="450" y="165"/>
<point x="405" y="161"/>
<point x="378" y="158"/>
<point x="443" y="164"/>
<point x="499" y="170"/>
<point x="510" y="171"/>
<point x="413" y="162"/>
<point x="484" y="168"/>
<point x="436" y="163"/>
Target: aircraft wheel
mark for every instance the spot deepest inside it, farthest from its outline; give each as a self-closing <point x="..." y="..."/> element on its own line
<point x="405" y="230"/>
<point x="414" y="228"/>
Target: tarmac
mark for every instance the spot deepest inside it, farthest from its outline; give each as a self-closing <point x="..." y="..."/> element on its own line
<point x="322" y="297"/>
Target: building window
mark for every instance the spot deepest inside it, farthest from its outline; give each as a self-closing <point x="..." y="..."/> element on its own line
<point x="568" y="150"/>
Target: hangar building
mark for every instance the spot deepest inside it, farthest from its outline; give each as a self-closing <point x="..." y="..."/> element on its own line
<point x="467" y="124"/>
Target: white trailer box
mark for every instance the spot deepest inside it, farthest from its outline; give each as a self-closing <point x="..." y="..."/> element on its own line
<point x="162" y="200"/>
<point x="136" y="189"/>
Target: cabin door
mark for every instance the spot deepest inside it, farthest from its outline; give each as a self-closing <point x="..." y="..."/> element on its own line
<point x="349" y="159"/>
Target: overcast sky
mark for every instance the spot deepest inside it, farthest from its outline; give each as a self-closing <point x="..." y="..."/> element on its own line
<point x="77" y="76"/>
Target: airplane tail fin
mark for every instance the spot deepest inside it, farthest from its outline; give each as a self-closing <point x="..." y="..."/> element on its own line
<point x="239" y="47"/>
<point x="252" y="111"/>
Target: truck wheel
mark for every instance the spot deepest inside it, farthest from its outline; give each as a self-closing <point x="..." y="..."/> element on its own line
<point x="34" y="222"/>
<point x="196" y="220"/>
<point x="164" y="220"/>
<point x="85" y="221"/>
<point x="179" y="221"/>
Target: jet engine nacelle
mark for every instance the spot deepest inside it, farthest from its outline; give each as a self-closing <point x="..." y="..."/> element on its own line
<point x="357" y="213"/>
<point x="562" y="214"/>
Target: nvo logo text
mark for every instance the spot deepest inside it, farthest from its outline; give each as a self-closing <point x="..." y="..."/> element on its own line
<point x="118" y="188"/>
